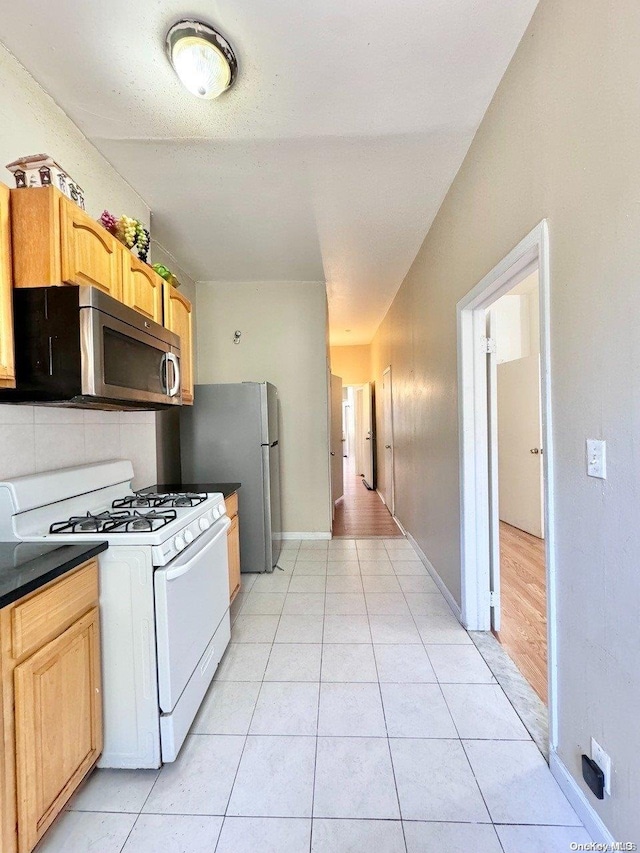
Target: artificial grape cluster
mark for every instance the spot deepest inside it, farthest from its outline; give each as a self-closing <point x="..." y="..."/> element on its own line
<point x="142" y="241"/>
<point x="129" y="231"/>
<point x="108" y="221"/>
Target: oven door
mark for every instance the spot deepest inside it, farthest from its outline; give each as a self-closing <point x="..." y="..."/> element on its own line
<point x="123" y="362"/>
<point x="192" y="598"/>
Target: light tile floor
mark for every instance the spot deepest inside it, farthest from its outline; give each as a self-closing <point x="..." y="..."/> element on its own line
<point x="350" y="712"/>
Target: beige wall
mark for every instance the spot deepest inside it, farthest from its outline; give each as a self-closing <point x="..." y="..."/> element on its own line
<point x="352" y="363"/>
<point x="560" y="140"/>
<point x="38" y="438"/>
<point x="283" y="327"/>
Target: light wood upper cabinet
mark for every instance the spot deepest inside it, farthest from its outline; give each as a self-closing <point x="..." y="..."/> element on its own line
<point x="7" y="369"/>
<point x="141" y="287"/>
<point x="178" y="318"/>
<point x="58" y="725"/>
<point x="54" y="242"/>
<point x="50" y="703"/>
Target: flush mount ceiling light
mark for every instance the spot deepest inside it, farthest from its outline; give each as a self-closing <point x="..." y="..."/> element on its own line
<point x="202" y="58"/>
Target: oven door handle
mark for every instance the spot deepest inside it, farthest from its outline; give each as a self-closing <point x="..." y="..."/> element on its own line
<point x="173" y="358"/>
<point x="212" y="536"/>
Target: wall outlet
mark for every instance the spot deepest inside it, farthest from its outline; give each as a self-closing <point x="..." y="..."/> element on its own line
<point x="597" y="458"/>
<point x="604" y="763"/>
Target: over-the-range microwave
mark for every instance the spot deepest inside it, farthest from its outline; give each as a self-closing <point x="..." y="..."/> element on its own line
<point x="77" y="346"/>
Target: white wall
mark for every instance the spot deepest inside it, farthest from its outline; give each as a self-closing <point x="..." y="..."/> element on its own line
<point x="38" y="438"/>
<point x="283" y="327"/>
<point x="559" y="141"/>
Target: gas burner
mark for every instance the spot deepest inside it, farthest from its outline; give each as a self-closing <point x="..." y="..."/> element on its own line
<point x="115" y="522"/>
<point x="88" y="523"/>
<point x="156" y="500"/>
<point x="144" y="522"/>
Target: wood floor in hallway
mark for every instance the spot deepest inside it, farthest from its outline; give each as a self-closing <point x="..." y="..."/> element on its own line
<point x="360" y="511"/>
<point x="523" y="595"/>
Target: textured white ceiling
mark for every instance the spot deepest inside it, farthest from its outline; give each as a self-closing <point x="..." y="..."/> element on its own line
<point x="327" y="160"/>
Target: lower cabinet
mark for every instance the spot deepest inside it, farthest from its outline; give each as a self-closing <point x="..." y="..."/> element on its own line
<point x="233" y="544"/>
<point x="51" y="703"/>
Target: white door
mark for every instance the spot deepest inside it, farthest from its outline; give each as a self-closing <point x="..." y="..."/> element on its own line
<point x="367" y="435"/>
<point x="494" y="491"/>
<point x="337" y="478"/>
<point x="387" y="446"/>
<point x="520" y="444"/>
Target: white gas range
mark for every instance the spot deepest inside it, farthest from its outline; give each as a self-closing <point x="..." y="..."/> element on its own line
<point x="164" y="595"/>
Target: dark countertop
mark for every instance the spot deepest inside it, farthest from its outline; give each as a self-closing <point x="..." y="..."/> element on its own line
<point x="227" y="489"/>
<point x="26" y="566"/>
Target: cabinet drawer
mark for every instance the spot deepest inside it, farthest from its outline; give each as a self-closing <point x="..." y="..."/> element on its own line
<point x="231" y="505"/>
<point x="46" y="614"/>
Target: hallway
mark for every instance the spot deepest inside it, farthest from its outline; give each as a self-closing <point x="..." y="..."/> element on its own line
<point x="360" y="512"/>
<point x="351" y="711"/>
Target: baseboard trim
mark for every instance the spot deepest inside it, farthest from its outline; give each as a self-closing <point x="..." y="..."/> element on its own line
<point x="453" y="604"/>
<point x="573" y="792"/>
<point x="402" y="530"/>
<point x="322" y="535"/>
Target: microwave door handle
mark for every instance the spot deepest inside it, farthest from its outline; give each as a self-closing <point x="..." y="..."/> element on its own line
<point x="164" y="373"/>
<point x="171" y="357"/>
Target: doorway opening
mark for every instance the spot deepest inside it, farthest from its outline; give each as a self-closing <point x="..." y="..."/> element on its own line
<point x="519" y="612"/>
<point x="507" y="533"/>
<point x="360" y="511"/>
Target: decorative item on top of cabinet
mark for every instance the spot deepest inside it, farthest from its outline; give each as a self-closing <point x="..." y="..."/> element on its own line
<point x="141" y="287"/>
<point x="233" y="546"/>
<point x="50" y="703"/>
<point x="41" y="170"/>
<point x="7" y="366"/>
<point x="54" y="243"/>
<point x="177" y="318"/>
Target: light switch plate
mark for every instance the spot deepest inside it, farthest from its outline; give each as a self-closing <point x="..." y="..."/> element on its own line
<point x="597" y="458"/>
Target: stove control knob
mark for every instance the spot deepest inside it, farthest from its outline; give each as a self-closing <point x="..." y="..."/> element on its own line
<point x="188" y="536"/>
<point x="179" y="543"/>
<point x="204" y="524"/>
<point x="215" y="512"/>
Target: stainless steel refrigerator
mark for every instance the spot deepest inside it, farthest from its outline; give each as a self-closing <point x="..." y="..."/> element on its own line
<point x="230" y="434"/>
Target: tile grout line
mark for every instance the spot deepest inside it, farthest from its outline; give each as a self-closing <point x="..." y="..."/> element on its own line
<point x="246" y="737"/>
<point x="315" y="757"/>
<point x="384" y="715"/>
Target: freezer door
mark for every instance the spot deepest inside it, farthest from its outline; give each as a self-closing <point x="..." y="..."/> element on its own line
<point x="269" y="412"/>
<point x="272" y="505"/>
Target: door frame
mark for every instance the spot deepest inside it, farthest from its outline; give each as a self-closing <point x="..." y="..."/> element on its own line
<point x="531" y="253"/>
<point x="387" y="372"/>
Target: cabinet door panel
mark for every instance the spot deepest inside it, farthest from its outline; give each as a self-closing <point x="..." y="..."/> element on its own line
<point x="7" y="371"/>
<point x="90" y="255"/>
<point x="233" y="544"/>
<point x="141" y="287"/>
<point x="58" y="724"/>
<point x="177" y="317"/>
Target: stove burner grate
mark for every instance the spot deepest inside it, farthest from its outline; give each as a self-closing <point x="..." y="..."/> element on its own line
<point x="115" y="522"/>
<point x="156" y="500"/>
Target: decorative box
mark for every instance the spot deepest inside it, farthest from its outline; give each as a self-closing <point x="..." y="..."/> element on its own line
<point x="41" y="170"/>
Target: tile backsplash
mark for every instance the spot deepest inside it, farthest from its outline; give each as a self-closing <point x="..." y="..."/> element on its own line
<point x="38" y="438"/>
